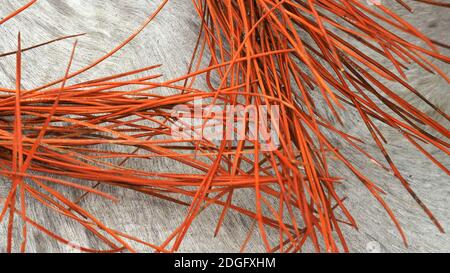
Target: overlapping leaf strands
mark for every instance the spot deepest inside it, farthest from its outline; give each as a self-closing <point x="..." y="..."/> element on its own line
<point x="300" y="56"/>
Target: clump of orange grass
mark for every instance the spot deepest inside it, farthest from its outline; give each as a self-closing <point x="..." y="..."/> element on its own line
<point x="285" y="53"/>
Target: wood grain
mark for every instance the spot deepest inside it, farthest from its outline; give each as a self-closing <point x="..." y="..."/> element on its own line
<point x="169" y="40"/>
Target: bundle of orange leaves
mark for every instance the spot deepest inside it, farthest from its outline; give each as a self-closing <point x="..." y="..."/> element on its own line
<point x="285" y="53"/>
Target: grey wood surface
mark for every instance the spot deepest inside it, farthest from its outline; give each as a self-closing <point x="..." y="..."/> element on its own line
<point x="169" y="40"/>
